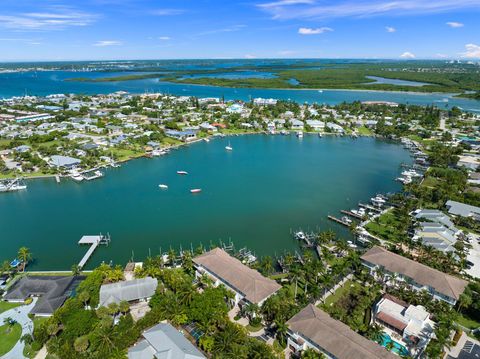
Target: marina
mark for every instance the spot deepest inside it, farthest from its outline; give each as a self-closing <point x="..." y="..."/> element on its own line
<point x="243" y="193"/>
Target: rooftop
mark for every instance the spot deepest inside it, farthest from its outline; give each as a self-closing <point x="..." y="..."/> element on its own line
<point x="127" y="290"/>
<point x="249" y="282"/>
<point x="443" y="283"/>
<point x="52" y="290"/>
<point x="334" y="336"/>
<point x="163" y="341"/>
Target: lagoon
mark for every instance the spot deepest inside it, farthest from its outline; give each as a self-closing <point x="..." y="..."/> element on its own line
<point x="254" y="196"/>
<point x="50" y="82"/>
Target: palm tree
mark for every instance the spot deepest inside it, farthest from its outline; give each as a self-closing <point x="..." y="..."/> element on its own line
<point x="25" y="256"/>
<point x="5" y="268"/>
<point x="76" y="270"/>
<point x="281" y="329"/>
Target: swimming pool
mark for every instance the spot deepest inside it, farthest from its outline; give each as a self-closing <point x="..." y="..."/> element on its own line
<point x="397" y="348"/>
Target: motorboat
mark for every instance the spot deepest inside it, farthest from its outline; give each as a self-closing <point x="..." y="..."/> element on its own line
<point x="229" y="147"/>
<point x="12" y="185"/>
<point x="196" y="190"/>
<point x="300" y="235"/>
<point x="163" y="186"/>
<point x="182" y="173"/>
<point x="300" y="134"/>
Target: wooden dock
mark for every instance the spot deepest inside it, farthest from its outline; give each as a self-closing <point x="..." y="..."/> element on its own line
<point x="371" y="208"/>
<point x="338" y="220"/>
<point x="94" y="242"/>
<point x="351" y="214"/>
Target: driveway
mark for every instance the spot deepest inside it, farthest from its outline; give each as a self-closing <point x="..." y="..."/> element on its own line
<point x="19" y="314"/>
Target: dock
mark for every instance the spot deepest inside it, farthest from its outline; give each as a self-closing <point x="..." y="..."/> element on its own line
<point x="371" y="208"/>
<point x="338" y="220"/>
<point x="351" y="214"/>
<point x="94" y="242"/>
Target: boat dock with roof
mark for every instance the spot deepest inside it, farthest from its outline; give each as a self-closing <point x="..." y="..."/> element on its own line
<point x="94" y="242"/>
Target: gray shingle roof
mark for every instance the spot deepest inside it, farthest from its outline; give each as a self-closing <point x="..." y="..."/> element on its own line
<point x="52" y="290"/>
<point x="163" y="341"/>
<point x="127" y="290"/>
<point x="334" y="336"/>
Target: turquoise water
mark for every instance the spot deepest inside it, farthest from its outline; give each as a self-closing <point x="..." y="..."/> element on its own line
<point x="383" y="80"/>
<point x="45" y="83"/>
<point x="254" y="195"/>
<point x="397" y="347"/>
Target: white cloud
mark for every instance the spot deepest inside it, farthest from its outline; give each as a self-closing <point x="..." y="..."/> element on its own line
<point x="472" y="51"/>
<point x="167" y="12"/>
<point x="55" y="18"/>
<point x="310" y="31"/>
<point x="105" y="43"/>
<point x="454" y="24"/>
<point x="362" y="8"/>
<point x="441" y="56"/>
<point x="249" y="56"/>
<point x="407" y="55"/>
<point x="164" y="38"/>
<point x="390" y="29"/>
<point x="225" y="29"/>
<point x="287" y="53"/>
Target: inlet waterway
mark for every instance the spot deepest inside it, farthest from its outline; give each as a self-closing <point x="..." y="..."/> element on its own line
<point x="253" y="196"/>
<point x="53" y="82"/>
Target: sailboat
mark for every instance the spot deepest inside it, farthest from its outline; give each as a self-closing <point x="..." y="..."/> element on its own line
<point x="229" y="147"/>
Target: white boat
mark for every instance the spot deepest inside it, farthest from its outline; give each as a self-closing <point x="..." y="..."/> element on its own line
<point x="206" y="140"/>
<point x="377" y="201"/>
<point x="182" y="173"/>
<point x="300" y="235"/>
<point x="320" y="91"/>
<point x="76" y="176"/>
<point x="163" y="186"/>
<point x="196" y="190"/>
<point x="159" y="152"/>
<point x="300" y="134"/>
<point x="359" y="212"/>
<point x="320" y="135"/>
<point x="346" y="220"/>
<point x="12" y="185"/>
<point x="229" y="147"/>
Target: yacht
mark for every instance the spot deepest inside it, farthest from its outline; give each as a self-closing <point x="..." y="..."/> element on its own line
<point x="182" y="173"/>
<point x="163" y="186"/>
<point x="377" y="201"/>
<point x="76" y="176"/>
<point x="300" y="235"/>
<point x="196" y="190"/>
<point x="346" y="220"/>
<point x="12" y="185"/>
<point x="359" y="212"/>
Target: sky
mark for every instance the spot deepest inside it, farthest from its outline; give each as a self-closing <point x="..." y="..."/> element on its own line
<point x="57" y="30"/>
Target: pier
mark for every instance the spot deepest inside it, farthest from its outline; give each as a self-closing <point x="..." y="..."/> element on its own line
<point x="94" y="242"/>
<point x="351" y="214"/>
<point x="338" y="220"/>
<point x="371" y="208"/>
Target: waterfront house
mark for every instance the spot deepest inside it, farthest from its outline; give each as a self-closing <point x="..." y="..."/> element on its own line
<point x="316" y="125"/>
<point x="163" y="341"/>
<point x="248" y="285"/>
<point x="296" y="124"/>
<point x="410" y="325"/>
<point x="463" y="210"/>
<point x="186" y="136"/>
<point x="436" y="235"/>
<point x="434" y="215"/>
<point x="52" y="292"/>
<point x="333" y="127"/>
<point x="130" y="291"/>
<point x="417" y="276"/>
<point x="314" y="329"/>
<point x="64" y="161"/>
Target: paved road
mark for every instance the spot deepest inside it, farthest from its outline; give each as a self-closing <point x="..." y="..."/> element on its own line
<point x="20" y="314"/>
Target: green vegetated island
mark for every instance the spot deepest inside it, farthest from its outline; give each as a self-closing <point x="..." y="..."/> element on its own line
<point x="433" y="76"/>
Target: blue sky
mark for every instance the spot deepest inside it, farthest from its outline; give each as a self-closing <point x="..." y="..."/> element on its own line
<point x="149" y="29"/>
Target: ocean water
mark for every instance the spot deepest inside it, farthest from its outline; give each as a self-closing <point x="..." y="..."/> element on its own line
<point x="254" y="196"/>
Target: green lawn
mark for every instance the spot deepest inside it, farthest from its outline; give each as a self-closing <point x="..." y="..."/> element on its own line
<point x="467" y="322"/>
<point x="4" y="306"/>
<point x="386" y="227"/>
<point x="253" y="329"/>
<point x="340" y="292"/>
<point x="364" y="131"/>
<point x="9" y="336"/>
